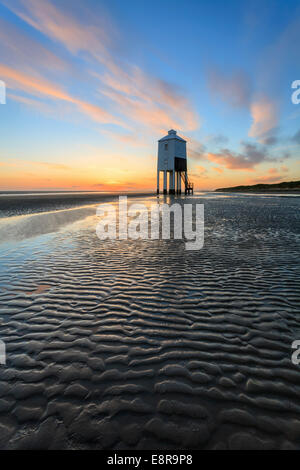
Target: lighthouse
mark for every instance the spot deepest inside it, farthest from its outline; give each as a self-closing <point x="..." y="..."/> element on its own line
<point x="172" y="163"/>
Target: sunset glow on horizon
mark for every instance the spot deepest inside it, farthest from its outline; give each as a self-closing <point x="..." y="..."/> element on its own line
<point x="91" y="86"/>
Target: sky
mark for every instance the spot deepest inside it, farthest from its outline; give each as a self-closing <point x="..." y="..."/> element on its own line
<point x="92" y="85"/>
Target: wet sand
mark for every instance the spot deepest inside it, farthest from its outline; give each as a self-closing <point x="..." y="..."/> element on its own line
<point x="12" y="204"/>
<point x="144" y="345"/>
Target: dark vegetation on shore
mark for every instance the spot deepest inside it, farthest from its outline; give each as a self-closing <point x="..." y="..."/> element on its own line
<point x="291" y="186"/>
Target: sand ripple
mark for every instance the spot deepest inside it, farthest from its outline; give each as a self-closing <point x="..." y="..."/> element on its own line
<point x="137" y="344"/>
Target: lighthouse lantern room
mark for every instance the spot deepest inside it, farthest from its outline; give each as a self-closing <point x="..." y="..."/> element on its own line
<point x="172" y="162"/>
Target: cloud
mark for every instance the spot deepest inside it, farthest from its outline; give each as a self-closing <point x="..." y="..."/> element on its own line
<point x="273" y="175"/>
<point x="30" y="84"/>
<point x="61" y="26"/>
<point x="270" y="139"/>
<point x="53" y="166"/>
<point x="145" y="101"/>
<point x="218" y="169"/>
<point x="272" y="78"/>
<point x="201" y="170"/>
<point x="217" y="139"/>
<point x="33" y="163"/>
<point x="196" y="150"/>
<point x="100" y="185"/>
<point x="265" y="119"/>
<point x="275" y="171"/>
<point x="32" y="103"/>
<point x="148" y="100"/>
<point x="44" y="88"/>
<point x="15" y="47"/>
<point x="250" y="156"/>
<point x="284" y="168"/>
<point x="267" y="179"/>
<point x="133" y="139"/>
<point x="234" y="90"/>
<point x="149" y="114"/>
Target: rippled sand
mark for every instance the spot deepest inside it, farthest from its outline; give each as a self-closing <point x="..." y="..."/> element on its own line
<point x="142" y="344"/>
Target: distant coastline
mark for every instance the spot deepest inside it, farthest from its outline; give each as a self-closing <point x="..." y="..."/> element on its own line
<point x="286" y="186"/>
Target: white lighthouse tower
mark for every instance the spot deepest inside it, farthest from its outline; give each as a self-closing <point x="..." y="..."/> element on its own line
<point x="172" y="160"/>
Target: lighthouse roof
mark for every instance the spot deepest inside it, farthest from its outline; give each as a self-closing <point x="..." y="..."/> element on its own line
<point x="172" y="135"/>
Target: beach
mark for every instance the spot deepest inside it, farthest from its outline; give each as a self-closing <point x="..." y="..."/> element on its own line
<point x="140" y="344"/>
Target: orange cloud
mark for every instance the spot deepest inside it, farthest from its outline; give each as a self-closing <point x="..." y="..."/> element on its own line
<point x="283" y="168"/>
<point x="265" y="118"/>
<point x="147" y="101"/>
<point x="41" y="87"/>
<point x="201" y="170"/>
<point x="162" y="102"/>
<point x="230" y="160"/>
<point x="218" y="169"/>
<point x="14" y="47"/>
<point x="273" y="175"/>
<point x="275" y="171"/>
<point x="30" y="163"/>
<point x="61" y="26"/>
<point x="149" y="114"/>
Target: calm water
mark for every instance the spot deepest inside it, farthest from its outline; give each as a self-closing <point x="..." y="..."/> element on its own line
<point x="142" y="344"/>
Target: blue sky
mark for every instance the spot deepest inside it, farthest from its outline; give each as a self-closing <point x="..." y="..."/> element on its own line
<point x="91" y="87"/>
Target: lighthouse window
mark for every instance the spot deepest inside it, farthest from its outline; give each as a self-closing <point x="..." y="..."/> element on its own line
<point x="166" y="146"/>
